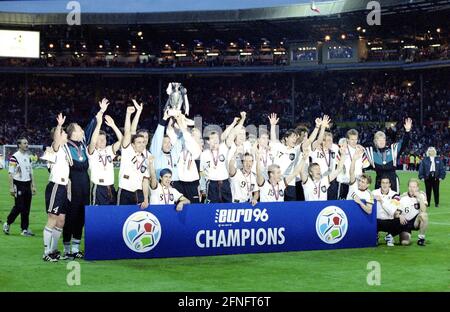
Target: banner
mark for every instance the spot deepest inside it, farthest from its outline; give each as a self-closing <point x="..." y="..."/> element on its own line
<point x="128" y="232"/>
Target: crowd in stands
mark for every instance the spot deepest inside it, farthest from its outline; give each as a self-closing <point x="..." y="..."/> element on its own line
<point x="365" y="101"/>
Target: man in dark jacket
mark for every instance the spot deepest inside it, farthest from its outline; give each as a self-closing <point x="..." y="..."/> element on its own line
<point x="432" y="170"/>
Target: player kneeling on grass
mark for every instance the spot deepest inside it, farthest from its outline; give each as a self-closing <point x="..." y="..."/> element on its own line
<point x="161" y="192"/>
<point x="315" y="185"/>
<point x="359" y="188"/>
<point x="388" y="201"/>
<point x="101" y="163"/>
<point x="274" y="188"/>
<point x="56" y="196"/>
<point x="413" y="206"/>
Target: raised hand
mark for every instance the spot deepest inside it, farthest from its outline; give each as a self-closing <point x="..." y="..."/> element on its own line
<point x="273" y="119"/>
<point x="109" y="121"/>
<point x="104" y="103"/>
<point x="243" y="115"/>
<point x="138" y="107"/>
<point x="130" y="110"/>
<point x="408" y="124"/>
<point x="60" y="119"/>
<point x="318" y="122"/>
<point x="235" y="120"/>
<point x="326" y="121"/>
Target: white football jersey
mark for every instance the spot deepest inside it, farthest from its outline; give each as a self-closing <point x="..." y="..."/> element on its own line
<point x="133" y="169"/>
<point x="272" y="193"/>
<point x="286" y="157"/>
<point x="363" y="195"/>
<point x="20" y="167"/>
<point x="391" y="202"/>
<point x="214" y="163"/>
<point x="60" y="168"/>
<point x="409" y="206"/>
<point x="363" y="162"/>
<point x="242" y="186"/>
<point x="101" y="166"/>
<point x="164" y="196"/>
<point x="316" y="190"/>
<point x="325" y="159"/>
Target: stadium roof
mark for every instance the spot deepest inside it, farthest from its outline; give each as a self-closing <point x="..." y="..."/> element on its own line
<point x="174" y="11"/>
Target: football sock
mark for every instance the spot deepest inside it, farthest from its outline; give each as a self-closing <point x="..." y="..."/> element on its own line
<point x="47" y="240"/>
<point x="56" y="234"/>
<point x="67" y="247"/>
<point x="75" y="245"/>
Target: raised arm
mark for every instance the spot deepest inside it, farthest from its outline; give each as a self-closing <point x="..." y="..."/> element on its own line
<point x="95" y="133"/>
<point x="170" y="131"/>
<point x="300" y="169"/>
<point x="58" y="138"/>
<point x="135" y="122"/>
<point x="110" y="123"/>
<point x="189" y="142"/>
<point x="358" y="154"/>
<point x="103" y="104"/>
<point x="127" y="128"/>
<point x="325" y="124"/>
<point x="227" y="131"/>
<point x="333" y="175"/>
<point x="158" y="136"/>
<point x="313" y="134"/>
<point x="232" y="164"/>
<point x="273" y="127"/>
<point x="259" y="175"/>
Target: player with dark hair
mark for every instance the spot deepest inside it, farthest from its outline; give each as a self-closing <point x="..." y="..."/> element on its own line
<point x="162" y="192"/>
<point x="21" y="187"/>
<point x="101" y="163"/>
<point x="79" y="185"/>
<point x="57" y="192"/>
<point x="133" y="174"/>
<point x="388" y="201"/>
<point x="214" y="166"/>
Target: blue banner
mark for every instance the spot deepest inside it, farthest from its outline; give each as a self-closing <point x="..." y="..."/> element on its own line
<point x="128" y="232"/>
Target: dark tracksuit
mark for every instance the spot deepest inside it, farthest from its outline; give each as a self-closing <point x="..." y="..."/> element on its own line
<point x="389" y="167"/>
<point x="80" y="196"/>
<point x="79" y="187"/>
<point x="22" y="204"/>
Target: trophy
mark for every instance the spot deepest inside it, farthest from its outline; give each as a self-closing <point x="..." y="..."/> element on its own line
<point x="178" y="102"/>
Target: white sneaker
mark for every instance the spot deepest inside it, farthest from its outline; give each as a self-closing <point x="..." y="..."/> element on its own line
<point x="389" y="240"/>
<point x="6" y="228"/>
<point x="27" y="233"/>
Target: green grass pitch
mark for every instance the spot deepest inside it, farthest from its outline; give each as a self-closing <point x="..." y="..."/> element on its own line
<point x="411" y="268"/>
